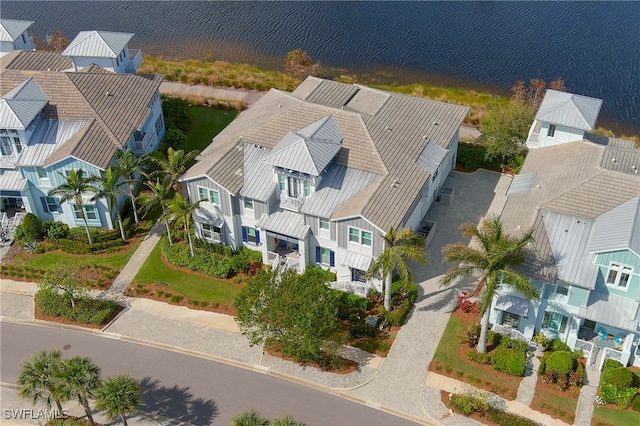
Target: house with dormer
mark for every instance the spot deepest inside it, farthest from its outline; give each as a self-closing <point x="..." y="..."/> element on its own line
<point x="108" y="50"/>
<point x="14" y="36"/>
<point x="582" y="199"/>
<point x="52" y="122"/>
<point x="318" y="175"/>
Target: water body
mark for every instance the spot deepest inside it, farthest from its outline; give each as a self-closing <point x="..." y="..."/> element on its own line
<point x="593" y="46"/>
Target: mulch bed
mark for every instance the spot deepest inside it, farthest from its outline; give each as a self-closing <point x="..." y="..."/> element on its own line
<point x="348" y="367"/>
<point x="444" y="397"/>
<point x="61" y="320"/>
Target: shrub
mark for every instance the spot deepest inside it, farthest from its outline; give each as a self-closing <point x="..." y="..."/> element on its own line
<point x="540" y="339"/>
<point x="478" y="357"/>
<point x="398" y="316"/>
<point x="635" y="405"/>
<point x="508" y="360"/>
<point x="625" y="396"/>
<point x="611" y="363"/>
<point x="504" y="418"/>
<point x="608" y="393"/>
<point x="87" y="311"/>
<point x="55" y="230"/>
<point x="557" y="345"/>
<point x="176" y="298"/>
<point x="620" y="377"/>
<point x="468" y="404"/>
<point x="493" y="338"/>
<point x="560" y="362"/>
<point x="31" y="229"/>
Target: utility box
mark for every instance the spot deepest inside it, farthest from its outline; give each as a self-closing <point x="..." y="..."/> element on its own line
<point x="446" y="195"/>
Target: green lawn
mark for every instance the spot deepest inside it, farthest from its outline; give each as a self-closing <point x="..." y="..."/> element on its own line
<point x="46" y="260"/>
<point x="447" y="358"/>
<point x="191" y="286"/>
<point x="611" y="416"/>
<point x="551" y="402"/>
<point x="205" y="124"/>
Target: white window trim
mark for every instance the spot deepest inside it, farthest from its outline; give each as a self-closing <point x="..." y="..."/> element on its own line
<point x="320" y="228"/>
<point x="57" y="204"/>
<point x="360" y="231"/>
<point x="209" y="198"/>
<point x="45" y="172"/>
<point x="555" y="129"/>
<point x="620" y="269"/>
<point x="84" y="208"/>
<point x="328" y="262"/>
<point x="250" y="228"/>
<point x="244" y="203"/>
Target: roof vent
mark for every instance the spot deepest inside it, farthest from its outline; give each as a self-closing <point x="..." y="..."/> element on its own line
<point x="107" y="93"/>
<point x="435" y="123"/>
<point x="633" y="167"/>
<point x="396" y="183"/>
<point x="388" y="128"/>
<point x="613" y="160"/>
<point x="424" y="137"/>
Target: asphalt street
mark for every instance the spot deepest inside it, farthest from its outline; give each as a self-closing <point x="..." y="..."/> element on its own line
<point x="187" y="388"/>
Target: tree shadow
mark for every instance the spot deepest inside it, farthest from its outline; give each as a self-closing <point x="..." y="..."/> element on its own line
<point x="176" y="403"/>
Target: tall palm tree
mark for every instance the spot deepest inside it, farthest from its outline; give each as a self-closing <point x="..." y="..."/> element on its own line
<point x="158" y="198"/>
<point x="130" y="166"/>
<point x="72" y="189"/>
<point x="174" y="165"/>
<point x="181" y="210"/>
<point x="118" y="395"/>
<point x="399" y="246"/>
<point x="109" y="187"/>
<point x="81" y="379"/>
<point x="493" y="256"/>
<point x="39" y="378"/>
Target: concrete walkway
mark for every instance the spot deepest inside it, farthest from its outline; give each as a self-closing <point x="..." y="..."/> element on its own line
<point x="248" y="97"/>
<point x="527" y="387"/>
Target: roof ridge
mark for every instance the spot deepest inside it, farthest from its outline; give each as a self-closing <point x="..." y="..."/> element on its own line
<point x="578" y="109"/>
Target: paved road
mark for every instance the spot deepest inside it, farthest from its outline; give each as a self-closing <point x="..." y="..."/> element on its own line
<point x="190" y="389"/>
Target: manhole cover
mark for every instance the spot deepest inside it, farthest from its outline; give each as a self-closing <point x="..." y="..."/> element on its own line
<point x="66" y="347"/>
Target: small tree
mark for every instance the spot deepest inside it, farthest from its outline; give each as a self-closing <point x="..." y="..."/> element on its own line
<point x="64" y="278"/>
<point x="174" y="138"/>
<point x="158" y="198"/>
<point x="80" y="378"/>
<point x="109" y="187"/>
<point x="55" y="42"/>
<point x="39" y="379"/>
<point x="174" y="165"/>
<point x="129" y="167"/>
<point x="505" y="128"/>
<point x="176" y="113"/>
<point x="298" y="63"/>
<point x="181" y="210"/>
<point x="119" y="396"/>
<point x="30" y="229"/>
<point x="72" y="189"/>
<point x="297" y="311"/>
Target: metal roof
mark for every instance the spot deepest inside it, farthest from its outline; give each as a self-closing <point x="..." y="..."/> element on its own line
<point x="21" y="105"/>
<point x="357" y="261"/>
<point x="513" y="304"/>
<point x="258" y="180"/>
<point x="11" y="180"/>
<point x="49" y="136"/>
<point x="212" y="216"/>
<point x="611" y="310"/>
<point x="97" y="44"/>
<point x="295" y="152"/>
<point x="330" y="93"/>
<point x="11" y="29"/>
<point x="284" y="222"/>
<point x="431" y="157"/>
<point x="568" y="109"/>
<point x="339" y="184"/>
<point x="618" y="229"/>
<point x="521" y="183"/>
<point x="621" y="160"/>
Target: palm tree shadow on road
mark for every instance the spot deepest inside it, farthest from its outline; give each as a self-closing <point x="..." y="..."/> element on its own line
<point x="176" y="403"/>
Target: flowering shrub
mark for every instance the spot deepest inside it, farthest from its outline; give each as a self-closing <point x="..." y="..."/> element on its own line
<point x="465" y="305"/>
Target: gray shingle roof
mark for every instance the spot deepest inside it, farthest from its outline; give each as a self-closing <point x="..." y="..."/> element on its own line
<point x="38" y="60"/>
<point x="101" y="44"/>
<point x="568" y="109"/>
<point x="11" y="29"/>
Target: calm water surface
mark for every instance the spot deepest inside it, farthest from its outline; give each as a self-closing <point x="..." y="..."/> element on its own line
<point x="593" y="46"/>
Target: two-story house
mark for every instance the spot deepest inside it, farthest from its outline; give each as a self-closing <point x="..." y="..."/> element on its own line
<point x="54" y="121"/>
<point x="108" y="50"/>
<point x="582" y="198"/>
<point x="14" y="36"/>
<point x="318" y="175"/>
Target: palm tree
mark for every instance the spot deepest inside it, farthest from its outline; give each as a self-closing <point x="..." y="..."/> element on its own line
<point x="249" y="418"/>
<point x="494" y="258"/>
<point x="109" y="187"/>
<point x="174" y="165"/>
<point x="181" y="210"/>
<point x="399" y="246"/>
<point x="161" y="193"/>
<point x="81" y="378"/>
<point x="129" y="166"/>
<point x="286" y="421"/>
<point x="72" y="189"/>
<point x="39" y="378"/>
<point x="118" y="395"/>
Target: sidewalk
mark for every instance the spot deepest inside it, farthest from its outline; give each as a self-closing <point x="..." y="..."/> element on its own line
<point x="233" y="95"/>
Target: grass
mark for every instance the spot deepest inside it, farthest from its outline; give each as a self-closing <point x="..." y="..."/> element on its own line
<point x="558" y="405"/>
<point x="46" y="260"/>
<point x="611" y="416"/>
<point x="206" y="122"/>
<point x="447" y="360"/>
<point x="191" y="286"/>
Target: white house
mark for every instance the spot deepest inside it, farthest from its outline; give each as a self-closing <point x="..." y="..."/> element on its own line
<point x="105" y="49"/>
<point x="563" y="117"/>
<point x="318" y="175"/>
<point x="52" y="122"/>
<point x="14" y="36"/>
<point x="582" y="198"/>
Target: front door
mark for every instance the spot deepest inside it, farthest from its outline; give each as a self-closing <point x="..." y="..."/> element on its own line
<point x="357" y="275"/>
<point x="293" y="187"/>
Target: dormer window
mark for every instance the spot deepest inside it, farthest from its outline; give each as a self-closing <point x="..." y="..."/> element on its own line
<point x="5" y="145"/>
<point x="619" y="275"/>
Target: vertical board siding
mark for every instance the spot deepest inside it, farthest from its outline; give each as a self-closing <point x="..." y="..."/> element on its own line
<point x="260" y="208"/>
<point x="342" y="230"/>
<point x="626" y="257"/>
<point x="225" y="205"/>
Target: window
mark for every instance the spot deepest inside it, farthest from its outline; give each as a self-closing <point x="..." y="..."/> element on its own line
<point x="91" y="213"/>
<point x="211" y="232"/>
<point x="67" y="173"/>
<point x="50" y="204"/>
<point x="325" y="256"/>
<point x="159" y="125"/>
<point x="203" y="194"/>
<point x="562" y="289"/>
<point x="324" y="224"/>
<point x="357" y="236"/>
<point x="619" y="275"/>
<point x="248" y="203"/>
<point x="555" y="321"/>
<point x="211" y="195"/>
<point x="358" y="275"/>
<point x="293" y="187"/>
<point x="5" y="146"/>
<point x="552" y="131"/>
<point x="282" y="182"/>
<point x="307" y="188"/>
<point x="510" y="320"/>
<point x="250" y="235"/>
<point x="42" y="173"/>
<point x="16" y="142"/>
<point x="24" y="40"/>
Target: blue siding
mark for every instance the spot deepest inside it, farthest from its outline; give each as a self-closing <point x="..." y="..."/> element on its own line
<point x="626" y="257"/>
<point x="578" y="296"/>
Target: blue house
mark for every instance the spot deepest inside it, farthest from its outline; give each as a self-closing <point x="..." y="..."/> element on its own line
<point x="53" y="120"/>
<point x="582" y="198"/>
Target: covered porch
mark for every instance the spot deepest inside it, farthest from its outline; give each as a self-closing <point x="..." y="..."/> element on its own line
<point x="210" y="224"/>
<point x="285" y="244"/>
<point x="352" y="274"/>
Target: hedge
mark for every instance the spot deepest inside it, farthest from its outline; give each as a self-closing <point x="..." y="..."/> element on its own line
<point x="479" y="357"/>
<point x="80" y="247"/>
<point x="468" y="404"/>
<point x="560" y="362"/>
<point x="611" y="363"/>
<point x="509" y="360"/>
<point x="86" y="311"/>
<point x="620" y="377"/>
<point x="635" y="405"/>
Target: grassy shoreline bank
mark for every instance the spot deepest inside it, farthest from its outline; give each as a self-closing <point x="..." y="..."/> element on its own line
<point x="250" y="77"/>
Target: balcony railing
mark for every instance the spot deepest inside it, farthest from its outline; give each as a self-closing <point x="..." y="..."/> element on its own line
<point x="353" y="287"/>
<point x="273" y="259"/>
<point x="587" y="350"/>
<point x="141" y="146"/>
<point x="135" y="59"/>
<point x="610" y="354"/>
<point x="9" y="160"/>
<point x="292" y="263"/>
<point x="291" y="203"/>
<point x="512" y="333"/>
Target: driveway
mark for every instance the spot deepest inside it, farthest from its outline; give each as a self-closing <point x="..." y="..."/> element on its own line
<point x="399" y="382"/>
